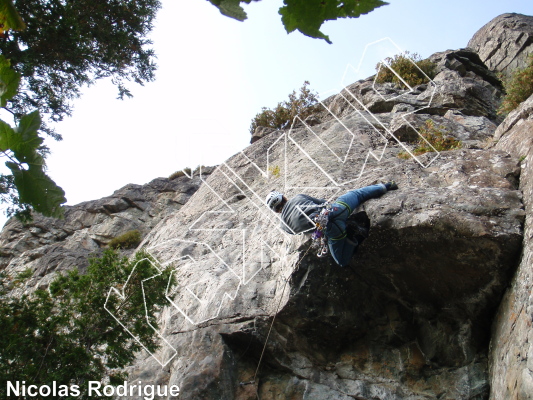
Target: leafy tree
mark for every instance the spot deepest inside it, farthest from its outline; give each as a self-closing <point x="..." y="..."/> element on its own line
<point x="68" y="44"/>
<point x="27" y="187"/>
<point x="307" y="16"/>
<point x="65" y="335"/>
<point x="303" y="105"/>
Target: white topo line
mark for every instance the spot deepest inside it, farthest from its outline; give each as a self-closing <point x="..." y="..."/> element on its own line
<point x="266" y="215"/>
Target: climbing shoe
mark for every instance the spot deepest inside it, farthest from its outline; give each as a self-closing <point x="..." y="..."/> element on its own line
<point x="391" y="185"/>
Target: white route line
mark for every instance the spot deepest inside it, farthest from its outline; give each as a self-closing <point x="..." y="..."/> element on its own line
<point x="193" y="227"/>
<point x="261" y="206"/>
<point x="431" y="83"/>
<point x="234" y="178"/>
<point x="224" y="295"/>
<point x="122" y="296"/>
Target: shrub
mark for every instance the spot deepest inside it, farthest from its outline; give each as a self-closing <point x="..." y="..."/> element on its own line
<point x="187" y="171"/>
<point x="283" y="114"/>
<point x="63" y="333"/>
<point x="180" y="173"/>
<point x="404" y="65"/>
<point x="435" y="135"/>
<point x="128" y="240"/>
<point x="518" y="87"/>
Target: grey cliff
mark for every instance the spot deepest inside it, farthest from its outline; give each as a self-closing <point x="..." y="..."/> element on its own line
<point x="436" y="304"/>
<point x="505" y="42"/>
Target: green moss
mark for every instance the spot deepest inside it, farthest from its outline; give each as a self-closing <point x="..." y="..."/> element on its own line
<point x="128" y="240"/>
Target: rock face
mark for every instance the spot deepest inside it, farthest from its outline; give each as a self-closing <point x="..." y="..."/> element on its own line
<point x="462" y="85"/>
<point x="511" y="356"/>
<point x="47" y="245"/>
<point x="410" y="319"/>
<point x="505" y="42"/>
<point x="260" y="132"/>
<point x="255" y="314"/>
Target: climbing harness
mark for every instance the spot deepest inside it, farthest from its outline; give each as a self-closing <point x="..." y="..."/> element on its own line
<point x="320" y="240"/>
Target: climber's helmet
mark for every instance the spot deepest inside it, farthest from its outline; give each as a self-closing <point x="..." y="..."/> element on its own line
<point x="274" y="199"/>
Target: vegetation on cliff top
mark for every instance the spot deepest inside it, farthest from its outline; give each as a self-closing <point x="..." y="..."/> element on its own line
<point x="128" y="240"/>
<point x="405" y="67"/>
<point x="281" y="116"/>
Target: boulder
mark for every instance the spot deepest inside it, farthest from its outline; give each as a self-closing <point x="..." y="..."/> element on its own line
<point x="462" y="83"/>
<point x="409" y="319"/>
<point x="260" y="132"/>
<point x="505" y="43"/>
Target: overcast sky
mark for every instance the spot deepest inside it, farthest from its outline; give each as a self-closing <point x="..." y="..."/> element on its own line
<point x="216" y="73"/>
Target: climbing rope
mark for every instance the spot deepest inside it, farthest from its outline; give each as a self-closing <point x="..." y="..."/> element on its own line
<point x="254" y="380"/>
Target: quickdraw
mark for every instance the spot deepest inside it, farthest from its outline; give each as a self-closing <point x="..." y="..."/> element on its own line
<point x="320" y="240"/>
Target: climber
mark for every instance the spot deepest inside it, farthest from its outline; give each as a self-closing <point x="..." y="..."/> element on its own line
<point x="301" y="213"/>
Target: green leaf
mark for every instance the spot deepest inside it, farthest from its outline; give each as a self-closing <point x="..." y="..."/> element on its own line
<point x="9" y="17"/>
<point x="24" y="140"/>
<point x="37" y="189"/>
<point x="7" y="136"/>
<point x="307" y="16"/>
<point x="9" y="81"/>
<point x="231" y="8"/>
<point x="29" y="125"/>
<point x="34" y="187"/>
